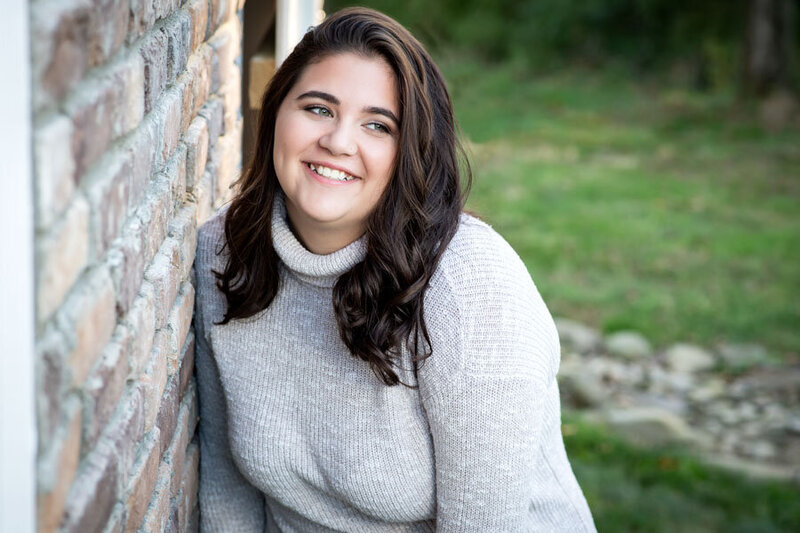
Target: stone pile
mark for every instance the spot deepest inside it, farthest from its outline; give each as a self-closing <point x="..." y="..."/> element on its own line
<point x="733" y="406"/>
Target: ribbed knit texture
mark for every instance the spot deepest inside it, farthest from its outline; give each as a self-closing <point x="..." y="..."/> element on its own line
<point x="297" y="435"/>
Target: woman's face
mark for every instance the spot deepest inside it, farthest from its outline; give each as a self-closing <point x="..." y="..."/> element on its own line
<point x="336" y="140"/>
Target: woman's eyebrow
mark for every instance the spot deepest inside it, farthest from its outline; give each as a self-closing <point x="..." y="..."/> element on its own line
<point x="335" y="101"/>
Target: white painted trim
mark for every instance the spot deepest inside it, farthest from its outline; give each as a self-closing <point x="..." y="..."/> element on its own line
<point x="292" y="19"/>
<point x="17" y="333"/>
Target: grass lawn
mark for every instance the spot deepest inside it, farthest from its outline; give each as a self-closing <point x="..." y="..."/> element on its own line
<point x="635" y="490"/>
<point x="636" y="205"/>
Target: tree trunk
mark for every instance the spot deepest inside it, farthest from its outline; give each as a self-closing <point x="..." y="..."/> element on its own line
<point x="769" y="60"/>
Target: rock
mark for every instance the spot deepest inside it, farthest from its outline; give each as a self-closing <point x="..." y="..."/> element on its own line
<point x="675" y="405"/>
<point x="577" y="336"/>
<point x="629" y="345"/>
<point x="751" y="468"/>
<point x="739" y="356"/>
<point x="678" y="382"/>
<point x="759" y="449"/>
<point x="688" y="358"/>
<point x="792" y="425"/>
<point x="779" y="384"/>
<point x="747" y="411"/>
<point x="607" y="371"/>
<point x="650" y="426"/>
<point x="708" y="390"/>
<point x="582" y="390"/>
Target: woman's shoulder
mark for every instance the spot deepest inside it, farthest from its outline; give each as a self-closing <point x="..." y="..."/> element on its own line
<point x="484" y="311"/>
<point x="479" y="254"/>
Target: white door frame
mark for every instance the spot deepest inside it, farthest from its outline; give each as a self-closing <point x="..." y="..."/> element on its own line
<point x="293" y="18"/>
<point x="17" y="329"/>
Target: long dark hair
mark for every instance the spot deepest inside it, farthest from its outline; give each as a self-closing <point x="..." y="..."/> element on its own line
<point x="379" y="302"/>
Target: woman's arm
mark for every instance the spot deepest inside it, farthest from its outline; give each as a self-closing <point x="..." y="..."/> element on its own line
<point x="228" y="502"/>
<point x="491" y="398"/>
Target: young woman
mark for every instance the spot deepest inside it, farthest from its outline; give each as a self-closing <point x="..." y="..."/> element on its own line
<point x="369" y="358"/>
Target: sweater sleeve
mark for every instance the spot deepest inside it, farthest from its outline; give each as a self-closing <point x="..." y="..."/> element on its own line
<point x="491" y="398"/>
<point x="228" y="502"/>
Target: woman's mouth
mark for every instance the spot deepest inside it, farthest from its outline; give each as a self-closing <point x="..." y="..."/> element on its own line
<point x="330" y="173"/>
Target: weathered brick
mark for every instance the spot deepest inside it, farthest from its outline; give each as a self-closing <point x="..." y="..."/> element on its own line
<point x="187" y="362"/>
<point x="165" y="7"/>
<point x="218" y="13"/>
<point x="108" y="189"/>
<point x="164" y="274"/>
<point x="212" y="111"/>
<point x="51" y="382"/>
<point x="157" y="515"/>
<point x="184" y="229"/>
<point x="105" y="108"/>
<point x="126" y="261"/>
<point x="199" y="66"/>
<point x="94" y="493"/>
<point x="203" y="196"/>
<point x="155" y="215"/>
<point x="167" y="418"/>
<point x="142" y="145"/>
<point x="54" y="168"/>
<point x="180" y="319"/>
<point x="108" y="29"/>
<point x="142" y="482"/>
<point x="153" y="49"/>
<point x="196" y="139"/>
<point x="178" y="29"/>
<point x="193" y="523"/>
<point x="57" y="467"/>
<point x="125" y="432"/>
<point x="172" y="523"/>
<point x="104" y="387"/>
<point x="225" y="46"/>
<point x="116" y="521"/>
<point x="153" y="381"/>
<point x="127" y="78"/>
<point x="189" y="488"/>
<point x="141" y="323"/>
<point x="198" y="12"/>
<point x="176" y="452"/>
<point x="187" y="103"/>
<point x="227" y="158"/>
<point x="143" y="17"/>
<point x="190" y="397"/>
<point x="59" y="33"/>
<point x="169" y="121"/>
<point x="231" y="94"/>
<point x="62" y="255"/>
<point x="175" y="173"/>
<point x="91" y="311"/>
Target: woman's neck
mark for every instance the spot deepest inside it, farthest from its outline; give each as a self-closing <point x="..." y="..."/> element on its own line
<point x="321" y="239"/>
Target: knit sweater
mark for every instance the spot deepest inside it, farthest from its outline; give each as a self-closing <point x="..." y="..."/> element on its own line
<point x="297" y="435"/>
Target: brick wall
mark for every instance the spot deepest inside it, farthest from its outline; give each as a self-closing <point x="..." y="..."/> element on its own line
<point x="137" y="136"/>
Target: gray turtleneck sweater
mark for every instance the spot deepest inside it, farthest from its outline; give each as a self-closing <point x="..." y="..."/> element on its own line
<point x="297" y="435"/>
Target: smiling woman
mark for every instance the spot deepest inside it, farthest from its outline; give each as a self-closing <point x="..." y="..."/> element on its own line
<point x="369" y="358"/>
<point x="335" y="147"/>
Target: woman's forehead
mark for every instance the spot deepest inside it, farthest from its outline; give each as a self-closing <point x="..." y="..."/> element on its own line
<point x="353" y="79"/>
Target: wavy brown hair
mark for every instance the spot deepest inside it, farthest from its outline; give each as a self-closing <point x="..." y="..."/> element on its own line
<point x="379" y="303"/>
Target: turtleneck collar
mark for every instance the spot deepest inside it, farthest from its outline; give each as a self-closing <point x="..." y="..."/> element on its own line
<point x="319" y="270"/>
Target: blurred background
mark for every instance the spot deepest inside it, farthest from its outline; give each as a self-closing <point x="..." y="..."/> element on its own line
<point x="643" y="158"/>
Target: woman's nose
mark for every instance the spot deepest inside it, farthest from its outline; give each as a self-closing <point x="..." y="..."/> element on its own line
<point x="339" y="139"/>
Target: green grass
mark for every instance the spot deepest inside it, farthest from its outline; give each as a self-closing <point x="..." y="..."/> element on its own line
<point x="636" y="205"/>
<point x="634" y="490"/>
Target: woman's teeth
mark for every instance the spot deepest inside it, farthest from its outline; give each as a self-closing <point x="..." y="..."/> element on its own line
<point x="330" y="173"/>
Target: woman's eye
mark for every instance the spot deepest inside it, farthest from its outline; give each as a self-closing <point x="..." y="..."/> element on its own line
<point x="377" y="126"/>
<point x="319" y="110"/>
